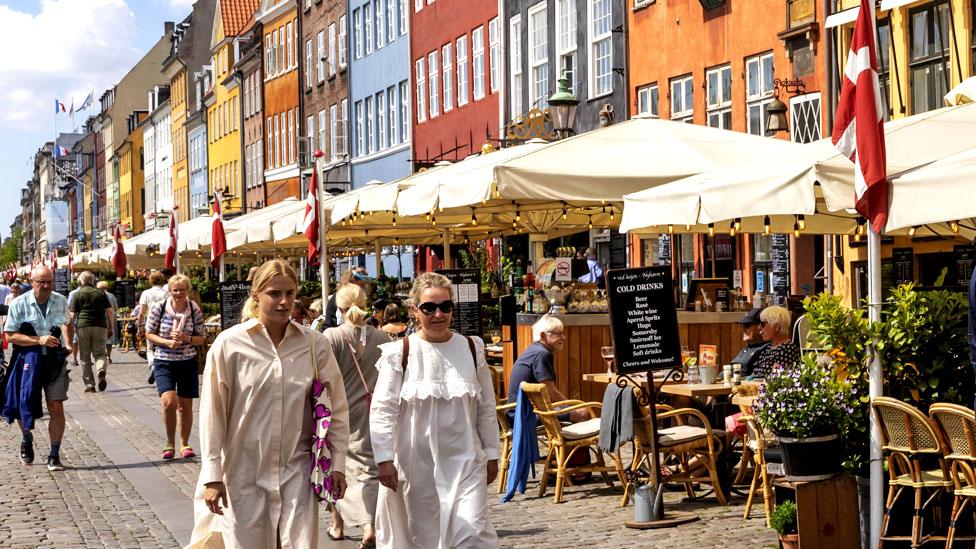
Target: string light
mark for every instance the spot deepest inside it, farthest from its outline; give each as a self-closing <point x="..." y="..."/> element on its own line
<point x="564" y="213"/>
<point x="711" y="229"/>
<point x="394" y="220"/>
<point x="687" y="226"/>
<point x="732" y="228"/>
<point x="796" y="229"/>
<point x="427" y="216"/>
<point x="911" y="232"/>
<point x="954" y="227"/>
<point x="861" y="226"/>
<point x="518" y="216"/>
<point x="738" y="223"/>
<point x="766" y="228"/>
<point x="474" y="220"/>
<point x="611" y="214"/>
<point x="590" y="223"/>
<point x="857" y="237"/>
<point x="801" y="221"/>
<point x="433" y="221"/>
<point x="670" y="229"/>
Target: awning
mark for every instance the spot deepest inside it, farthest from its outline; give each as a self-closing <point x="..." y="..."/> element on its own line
<point x="892" y="4"/>
<point x="842" y="17"/>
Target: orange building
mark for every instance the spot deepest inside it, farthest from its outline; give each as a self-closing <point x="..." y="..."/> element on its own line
<point x="719" y="67"/>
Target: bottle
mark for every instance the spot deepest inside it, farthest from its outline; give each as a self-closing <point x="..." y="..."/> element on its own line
<point x="757" y="300"/>
<point x="530" y="278"/>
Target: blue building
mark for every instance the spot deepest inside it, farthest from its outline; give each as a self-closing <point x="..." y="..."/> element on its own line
<point x="379" y="90"/>
<point x="199" y="198"/>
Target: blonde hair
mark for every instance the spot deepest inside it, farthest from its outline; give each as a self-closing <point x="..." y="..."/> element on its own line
<point x="427" y="281"/>
<point x="316" y="306"/>
<point x="179" y="279"/>
<point x="86" y="278"/>
<point x="157" y="278"/>
<point x="352" y="299"/>
<point x="102" y="285"/>
<point x="546" y="324"/>
<point x="264" y="274"/>
<point x="778" y="317"/>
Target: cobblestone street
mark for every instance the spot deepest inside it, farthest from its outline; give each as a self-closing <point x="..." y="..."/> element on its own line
<point x="117" y="492"/>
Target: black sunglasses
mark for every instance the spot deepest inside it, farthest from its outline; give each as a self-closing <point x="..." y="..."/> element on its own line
<point x="429" y="307"/>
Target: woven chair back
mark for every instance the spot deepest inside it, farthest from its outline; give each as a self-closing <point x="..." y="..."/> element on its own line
<point x="539" y="398"/>
<point x="958" y="425"/>
<point x="904" y="428"/>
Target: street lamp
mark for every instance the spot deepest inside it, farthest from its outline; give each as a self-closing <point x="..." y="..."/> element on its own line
<point x="563" y="108"/>
<point x="776" y="110"/>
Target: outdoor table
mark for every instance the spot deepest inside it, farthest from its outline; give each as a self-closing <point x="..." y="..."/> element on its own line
<point x="745" y="401"/>
<point x="697" y="389"/>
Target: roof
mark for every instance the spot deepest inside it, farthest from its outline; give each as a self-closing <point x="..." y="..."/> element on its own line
<point x="236" y="14"/>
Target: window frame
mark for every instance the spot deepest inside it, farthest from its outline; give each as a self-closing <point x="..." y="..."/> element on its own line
<point x="333" y="65"/>
<point x="343" y="50"/>
<point x="357" y="33"/>
<point x="461" y="49"/>
<point x="494" y="53"/>
<point x="370" y="124"/>
<point x="538" y="68"/>
<point x="653" y="101"/>
<point x="478" y="58"/>
<point x="319" y="64"/>
<point x="405" y="116"/>
<point x="391" y="113"/>
<point x="433" y="84"/>
<point x="764" y="97"/>
<point x="368" y="26"/>
<point x="360" y="129"/>
<point x="447" y="77"/>
<point x="685" y="82"/>
<point x="516" y="82"/>
<point x="323" y="145"/>
<point x="381" y="143"/>
<point x="391" y="21"/>
<point x="566" y="12"/>
<point x="720" y="111"/>
<point x="596" y="41"/>
<point x="936" y="59"/>
<point x="420" y="77"/>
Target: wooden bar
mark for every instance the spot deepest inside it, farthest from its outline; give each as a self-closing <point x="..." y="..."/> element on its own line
<point x="586" y="333"/>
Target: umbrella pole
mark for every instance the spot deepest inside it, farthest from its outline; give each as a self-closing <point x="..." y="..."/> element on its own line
<point x="875" y="381"/>
<point x="378" y="250"/>
<point x="447" y="249"/>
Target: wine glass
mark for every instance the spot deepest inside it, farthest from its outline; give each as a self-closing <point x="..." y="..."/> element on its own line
<point x="496" y="337"/>
<point x="607" y="353"/>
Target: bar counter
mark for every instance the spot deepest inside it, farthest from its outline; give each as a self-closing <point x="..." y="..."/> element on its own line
<point x="586" y="333"/>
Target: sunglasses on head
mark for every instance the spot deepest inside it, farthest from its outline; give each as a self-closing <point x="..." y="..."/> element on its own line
<point x="429" y="307"/>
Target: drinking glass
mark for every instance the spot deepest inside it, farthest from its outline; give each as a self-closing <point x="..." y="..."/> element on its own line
<point x="607" y="354"/>
<point x="496" y="337"/>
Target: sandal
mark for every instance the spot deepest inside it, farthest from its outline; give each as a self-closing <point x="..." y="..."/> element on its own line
<point x="371" y="544"/>
<point x="187" y="452"/>
<point x="332" y="536"/>
<point x="169" y="453"/>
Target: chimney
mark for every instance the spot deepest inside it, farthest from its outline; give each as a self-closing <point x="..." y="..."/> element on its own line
<point x="168" y="27"/>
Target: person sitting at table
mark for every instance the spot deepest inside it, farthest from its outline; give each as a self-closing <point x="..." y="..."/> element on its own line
<point x="774" y="326"/>
<point x="753" y="340"/>
<point x="534" y="365"/>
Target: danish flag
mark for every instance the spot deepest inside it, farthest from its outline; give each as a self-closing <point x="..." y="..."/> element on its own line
<point x="118" y="253"/>
<point x="218" y="241"/>
<point x="171" y="250"/>
<point x="310" y="226"/>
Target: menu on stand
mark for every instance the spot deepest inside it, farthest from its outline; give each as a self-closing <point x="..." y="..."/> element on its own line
<point x="904" y="265"/>
<point x="125" y="293"/>
<point x="965" y="258"/>
<point x="663" y="249"/>
<point x="643" y="319"/>
<point x="467" y="300"/>
<point x="62" y="281"/>
<point x="232" y="297"/>
<point x="780" y="249"/>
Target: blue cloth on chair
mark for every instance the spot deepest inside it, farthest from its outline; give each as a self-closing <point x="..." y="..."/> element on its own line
<point x="525" y="447"/>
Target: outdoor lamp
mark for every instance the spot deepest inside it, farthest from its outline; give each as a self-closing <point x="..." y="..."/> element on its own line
<point x="732" y="228"/>
<point x="911" y="232"/>
<point x="562" y="105"/>
<point x="776" y="117"/>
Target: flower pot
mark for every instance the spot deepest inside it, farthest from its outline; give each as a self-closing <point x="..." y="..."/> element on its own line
<point x="790" y="541"/>
<point x="812" y="458"/>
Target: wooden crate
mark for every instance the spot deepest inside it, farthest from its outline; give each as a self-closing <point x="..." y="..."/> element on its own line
<point x="827" y="514"/>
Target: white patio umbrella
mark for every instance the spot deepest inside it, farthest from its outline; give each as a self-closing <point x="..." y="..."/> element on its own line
<point x="965" y="92"/>
<point x="936" y="195"/>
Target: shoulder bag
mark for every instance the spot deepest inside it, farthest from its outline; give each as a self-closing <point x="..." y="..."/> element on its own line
<point x="321" y="452"/>
<point x="359" y="370"/>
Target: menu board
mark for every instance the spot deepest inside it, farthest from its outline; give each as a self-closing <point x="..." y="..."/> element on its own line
<point x="904" y="265"/>
<point x="780" y="283"/>
<point x="232" y="297"/>
<point x="965" y="259"/>
<point x="125" y="293"/>
<point x="643" y="319"/>
<point x="62" y="281"/>
<point x="663" y="249"/>
<point x="467" y="300"/>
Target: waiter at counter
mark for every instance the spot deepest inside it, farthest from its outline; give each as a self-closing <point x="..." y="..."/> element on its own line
<point x="752" y="338"/>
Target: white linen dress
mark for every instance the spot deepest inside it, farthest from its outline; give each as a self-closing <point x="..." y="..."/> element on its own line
<point x="256" y="435"/>
<point x="436" y="421"/>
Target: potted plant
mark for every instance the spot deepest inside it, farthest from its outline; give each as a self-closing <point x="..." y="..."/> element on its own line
<point x="806" y="405"/>
<point x="783" y="520"/>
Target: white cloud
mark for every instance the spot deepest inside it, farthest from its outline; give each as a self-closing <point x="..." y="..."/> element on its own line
<point x="67" y="49"/>
<point x="180" y="5"/>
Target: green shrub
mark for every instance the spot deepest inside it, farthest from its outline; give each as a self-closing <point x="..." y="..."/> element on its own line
<point x="783" y="519"/>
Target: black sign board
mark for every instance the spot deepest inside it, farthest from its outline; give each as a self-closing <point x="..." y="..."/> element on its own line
<point x="232" y="298"/>
<point x="125" y="293"/>
<point x="780" y="248"/>
<point x="643" y="319"/>
<point x="904" y="265"/>
<point x="467" y="300"/>
<point x="965" y="259"/>
<point x="62" y="281"/>
<point x="663" y="249"/>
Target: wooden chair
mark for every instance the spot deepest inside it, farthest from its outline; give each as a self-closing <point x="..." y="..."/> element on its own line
<point x="695" y="450"/>
<point x="502" y="406"/>
<point x="957" y="425"/>
<point x="757" y="446"/>
<point x="910" y="440"/>
<point x="746" y="460"/>
<point x="565" y="440"/>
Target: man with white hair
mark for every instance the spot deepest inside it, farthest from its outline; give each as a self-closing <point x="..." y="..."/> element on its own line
<point x="534" y="365"/>
<point x="35" y="323"/>
<point x="93" y="317"/>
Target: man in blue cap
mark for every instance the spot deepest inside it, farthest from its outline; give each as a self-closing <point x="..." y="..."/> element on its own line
<point x="752" y="338"/>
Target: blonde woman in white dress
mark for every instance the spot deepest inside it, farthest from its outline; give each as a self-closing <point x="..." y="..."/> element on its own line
<point x="434" y="432"/>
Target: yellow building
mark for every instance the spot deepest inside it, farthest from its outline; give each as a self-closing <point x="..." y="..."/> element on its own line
<point x="131" y="179"/>
<point x="223" y="105"/>
<point x="177" y="100"/>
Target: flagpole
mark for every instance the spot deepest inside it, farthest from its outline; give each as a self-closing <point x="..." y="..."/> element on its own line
<point x="176" y="233"/>
<point x="875" y="382"/>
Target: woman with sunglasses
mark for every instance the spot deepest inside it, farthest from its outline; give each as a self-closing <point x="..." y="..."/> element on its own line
<point x="434" y="431"/>
<point x="774" y="326"/>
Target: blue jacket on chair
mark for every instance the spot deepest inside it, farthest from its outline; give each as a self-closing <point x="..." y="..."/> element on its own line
<point x="525" y="447"/>
<point x="23" y="396"/>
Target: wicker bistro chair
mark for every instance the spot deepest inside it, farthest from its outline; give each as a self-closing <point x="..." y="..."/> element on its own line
<point x="505" y="448"/>
<point x="912" y="445"/>
<point x="958" y="427"/>
<point x="564" y="440"/>
<point x="694" y="450"/>
<point x="760" y="452"/>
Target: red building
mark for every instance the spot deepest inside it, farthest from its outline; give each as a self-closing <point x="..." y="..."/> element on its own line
<point x="457" y="72"/>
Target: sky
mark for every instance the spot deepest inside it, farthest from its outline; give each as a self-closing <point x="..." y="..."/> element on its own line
<point x="63" y="49"/>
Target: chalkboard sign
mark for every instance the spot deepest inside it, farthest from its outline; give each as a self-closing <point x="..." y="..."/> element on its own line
<point x="663" y="249"/>
<point x="904" y="265"/>
<point x="125" y="293"/>
<point x="62" y="281"/>
<point x="780" y="248"/>
<point x="643" y="319"/>
<point x="965" y="258"/>
<point x="467" y="300"/>
<point x="232" y="298"/>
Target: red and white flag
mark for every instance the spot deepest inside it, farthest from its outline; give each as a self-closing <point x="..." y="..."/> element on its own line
<point x="54" y="260"/>
<point x="171" y="250"/>
<point x="71" y="263"/>
<point x="118" y="253"/>
<point x="859" y="124"/>
<point x="218" y="242"/>
<point x="310" y="226"/>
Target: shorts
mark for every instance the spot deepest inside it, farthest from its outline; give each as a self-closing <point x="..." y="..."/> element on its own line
<point x="57" y="390"/>
<point x="178" y="375"/>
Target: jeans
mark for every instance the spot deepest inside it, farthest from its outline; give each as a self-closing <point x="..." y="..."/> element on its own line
<point x="91" y="348"/>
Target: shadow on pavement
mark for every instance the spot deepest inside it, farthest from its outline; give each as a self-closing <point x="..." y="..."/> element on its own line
<point x="138" y="465"/>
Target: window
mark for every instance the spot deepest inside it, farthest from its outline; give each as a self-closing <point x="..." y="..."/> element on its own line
<point x="929" y="56"/>
<point x="478" y="62"/>
<point x="342" y="42"/>
<point x="310" y="133"/>
<point x="321" y="145"/>
<point x="292" y="117"/>
<point x="538" y="57"/>
<point x="370" y="126"/>
<point x="433" y="72"/>
<point x="647" y="100"/>
<point x="357" y="33"/>
<point x="343" y="127"/>
<point x="404" y="112"/>
<point x="418" y="5"/>
<point x="884" y="65"/>
<point x="270" y="142"/>
<point x="601" y="52"/>
<point x="273" y="65"/>
<point x="462" y="70"/>
<point x="759" y="91"/>
<point x="494" y="50"/>
<point x="380" y="23"/>
<point x="718" y="98"/>
<point x="392" y="113"/>
<point x="420" y="73"/>
<point x="403" y="17"/>
<point x="368" y="27"/>
<point x="277" y="142"/>
<point x="381" y="121"/>
<point x="360" y="130"/>
<point x="267" y="54"/>
<point x="682" y="99"/>
<point x="332" y="49"/>
<point x="515" y="28"/>
<point x="566" y="41"/>
<point x="805" y="117"/>
<point x="448" y="76"/>
<point x="333" y="130"/>
<point x="391" y="20"/>
<point x="290" y="47"/>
